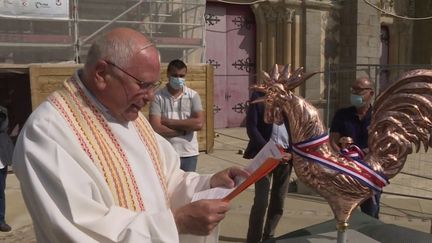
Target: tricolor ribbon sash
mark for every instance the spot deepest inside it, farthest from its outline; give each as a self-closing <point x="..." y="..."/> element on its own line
<point x="353" y="152"/>
<point x="363" y="172"/>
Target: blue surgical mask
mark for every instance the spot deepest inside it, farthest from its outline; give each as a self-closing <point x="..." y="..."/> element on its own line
<point x="176" y="83"/>
<point x="357" y="100"/>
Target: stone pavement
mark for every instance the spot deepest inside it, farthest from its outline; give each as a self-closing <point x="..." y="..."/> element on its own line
<point x="301" y="209"/>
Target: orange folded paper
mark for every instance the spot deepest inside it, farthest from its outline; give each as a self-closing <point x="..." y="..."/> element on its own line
<point x="263" y="170"/>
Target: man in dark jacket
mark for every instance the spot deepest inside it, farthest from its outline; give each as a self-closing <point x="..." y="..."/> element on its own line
<point x="6" y="151"/>
<point x="353" y="122"/>
<point x="259" y="134"/>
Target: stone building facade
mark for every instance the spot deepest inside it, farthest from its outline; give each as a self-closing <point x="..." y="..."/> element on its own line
<point x="351" y="35"/>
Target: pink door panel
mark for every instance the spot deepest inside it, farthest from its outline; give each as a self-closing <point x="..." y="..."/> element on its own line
<point x="230" y="48"/>
<point x="240" y="61"/>
<point x="216" y="55"/>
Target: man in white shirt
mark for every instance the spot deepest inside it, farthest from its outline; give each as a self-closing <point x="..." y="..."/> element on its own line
<point x="91" y="167"/>
<point x="176" y="114"/>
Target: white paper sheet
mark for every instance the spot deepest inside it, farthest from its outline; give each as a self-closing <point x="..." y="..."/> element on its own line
<point x="269" y="150"/>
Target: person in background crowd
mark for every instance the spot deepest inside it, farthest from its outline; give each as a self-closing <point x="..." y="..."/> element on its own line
<point x="353" y="122"/>
<point x="176" y="114"/>
<point x="259" y="134"/>
<point x="6" y="151"/>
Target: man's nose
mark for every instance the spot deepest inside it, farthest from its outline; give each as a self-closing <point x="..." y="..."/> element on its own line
<point x="149" y="96"/>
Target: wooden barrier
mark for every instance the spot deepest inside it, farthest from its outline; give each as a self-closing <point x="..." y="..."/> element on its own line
<point x="45" y="78"/>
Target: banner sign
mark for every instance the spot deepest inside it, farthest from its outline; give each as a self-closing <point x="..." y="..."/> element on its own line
<point x="39" y="9"/>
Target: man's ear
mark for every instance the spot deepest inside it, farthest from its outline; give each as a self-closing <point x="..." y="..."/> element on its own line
<point x="100" y="70"/>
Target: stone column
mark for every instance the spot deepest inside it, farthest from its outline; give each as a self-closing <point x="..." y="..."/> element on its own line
<point x="288" y="15"/>
<point x="270" y="18"/>
<point x="261" y="40"/>
<point x="276" y="33"/>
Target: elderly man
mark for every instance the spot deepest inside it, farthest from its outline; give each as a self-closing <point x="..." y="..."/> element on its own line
<point x="353" y="122"/>
<point x="92" y="169"/>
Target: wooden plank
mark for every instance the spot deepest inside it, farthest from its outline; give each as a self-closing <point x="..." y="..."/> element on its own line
<point x="46" y="78"/>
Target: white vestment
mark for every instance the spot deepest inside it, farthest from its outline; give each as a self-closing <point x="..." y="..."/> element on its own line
<point x="69" y="199"/>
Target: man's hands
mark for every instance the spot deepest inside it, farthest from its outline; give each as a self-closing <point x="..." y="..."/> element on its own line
<point x="166" y="122"/>
<point x="225" y="178"/>
<point x="194" y="123"/>
<point x="286" y="157"/>
<point x="200" y="217"/>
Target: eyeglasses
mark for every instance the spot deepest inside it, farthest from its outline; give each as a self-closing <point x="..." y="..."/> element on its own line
<point x="142" y="84"/>
<point x="358" y="90"/>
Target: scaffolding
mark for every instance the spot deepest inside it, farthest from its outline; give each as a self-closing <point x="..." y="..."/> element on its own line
<point x="177" y="27"/>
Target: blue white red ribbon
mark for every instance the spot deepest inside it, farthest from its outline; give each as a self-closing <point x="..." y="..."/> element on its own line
<point x="354" y="152"/>
<point x="364" y="173"/>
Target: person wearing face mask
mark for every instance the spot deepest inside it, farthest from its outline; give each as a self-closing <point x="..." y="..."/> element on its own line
<point x="353" y="122"/>
<point x="176" y="113"/>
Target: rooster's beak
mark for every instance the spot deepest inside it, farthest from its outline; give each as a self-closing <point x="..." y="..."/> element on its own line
<point x="259" y="100"/>
<point x="259" y="88"/>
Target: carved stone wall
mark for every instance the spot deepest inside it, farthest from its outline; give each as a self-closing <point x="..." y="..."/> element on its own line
<point x="277" y="34"/>
<point x="400" y="34"/>
<point x="322" y="47"/>
<point x="422" y="36"/>
<point x="301" y="34"/>
<point x="360" y="33"/>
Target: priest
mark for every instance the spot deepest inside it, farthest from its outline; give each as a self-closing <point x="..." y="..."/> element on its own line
<point x="92" y="169"/>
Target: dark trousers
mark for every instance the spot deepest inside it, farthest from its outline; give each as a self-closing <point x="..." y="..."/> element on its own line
<point x="188" y="163"/>
<point x="275" y="208"/>
<point x="371" y="206"/>
<point x="3" y="174"/>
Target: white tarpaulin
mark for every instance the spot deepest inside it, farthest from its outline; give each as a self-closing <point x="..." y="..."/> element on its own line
<point x="44" y="9"/>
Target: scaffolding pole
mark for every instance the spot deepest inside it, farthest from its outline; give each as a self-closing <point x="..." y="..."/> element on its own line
<point x="76" y="26"/>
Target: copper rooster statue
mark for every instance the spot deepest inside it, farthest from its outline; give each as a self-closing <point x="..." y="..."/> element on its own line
<point x="401" y="118"/>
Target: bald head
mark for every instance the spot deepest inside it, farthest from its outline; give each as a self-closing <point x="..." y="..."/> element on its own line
<point x="118" y="46"/>
<point x="363" y="82"/>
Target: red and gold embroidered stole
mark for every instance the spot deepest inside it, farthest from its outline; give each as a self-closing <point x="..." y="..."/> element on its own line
<point x="101" y="145"/>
